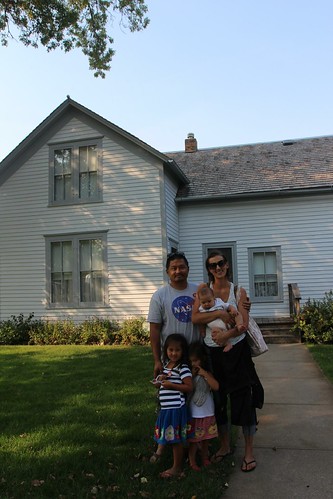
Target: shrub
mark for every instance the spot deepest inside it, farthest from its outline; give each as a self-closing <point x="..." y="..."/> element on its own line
<point x="98" y="331"/>
<point x="132" y="331"/>
<point x="315" y="321"/>
<point x="92" y="331"/>
<point x="16" y="330"/>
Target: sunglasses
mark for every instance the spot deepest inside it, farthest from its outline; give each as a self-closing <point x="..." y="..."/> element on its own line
<point x="213" y="266"/>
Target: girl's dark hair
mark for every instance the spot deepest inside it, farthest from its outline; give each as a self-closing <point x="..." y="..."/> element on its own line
<point x="178" y="338"/>
<point x="198" y="351"/>
<point x="211" y="254"/>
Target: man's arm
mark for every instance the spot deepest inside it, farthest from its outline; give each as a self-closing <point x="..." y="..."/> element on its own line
<point x="155" y="342"/>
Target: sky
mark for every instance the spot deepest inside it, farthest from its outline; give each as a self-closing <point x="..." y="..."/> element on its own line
<point x="231" y="72"/>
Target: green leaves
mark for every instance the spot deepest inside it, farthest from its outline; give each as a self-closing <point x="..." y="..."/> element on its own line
<point x="69" y="24"/>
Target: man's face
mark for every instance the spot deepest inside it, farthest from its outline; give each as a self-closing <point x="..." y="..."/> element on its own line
<point x="178" y="271"/>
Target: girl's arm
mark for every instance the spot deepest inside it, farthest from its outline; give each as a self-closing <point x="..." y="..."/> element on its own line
<point x="185" y="387"/>
<point x="212" y="382"/>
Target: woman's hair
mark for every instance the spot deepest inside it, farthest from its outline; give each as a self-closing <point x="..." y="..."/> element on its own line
<point x="211" y="254"/>
<point x="198" y="351"/>
<point x="177" y="338"/>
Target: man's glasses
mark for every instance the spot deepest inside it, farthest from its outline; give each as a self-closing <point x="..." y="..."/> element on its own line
<point x="213" y="266"/>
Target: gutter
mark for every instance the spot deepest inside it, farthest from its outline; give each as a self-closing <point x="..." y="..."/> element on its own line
<point x="257" y="195"/>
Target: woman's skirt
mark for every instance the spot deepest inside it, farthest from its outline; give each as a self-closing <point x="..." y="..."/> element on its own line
<point x="173" y="426"/>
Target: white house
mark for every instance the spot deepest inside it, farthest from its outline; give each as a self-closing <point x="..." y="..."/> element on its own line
<point x="88" y="213"/>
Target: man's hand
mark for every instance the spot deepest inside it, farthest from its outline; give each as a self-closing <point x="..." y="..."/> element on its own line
<point x="157" y="368"/>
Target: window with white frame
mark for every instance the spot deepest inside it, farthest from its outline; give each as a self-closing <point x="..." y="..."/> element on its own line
<point x="265" y="274"/>
<point x="77" y="270"/>
<point x="75" y="172"/>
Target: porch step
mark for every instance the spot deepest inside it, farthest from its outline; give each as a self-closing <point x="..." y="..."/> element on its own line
<point x="277" y="330"/>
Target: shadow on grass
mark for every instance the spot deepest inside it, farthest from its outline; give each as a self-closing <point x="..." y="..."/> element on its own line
<point x="78" y="422"/>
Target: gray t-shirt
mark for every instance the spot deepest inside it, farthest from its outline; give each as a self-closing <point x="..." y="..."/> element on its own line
<point x="173" y="309"/>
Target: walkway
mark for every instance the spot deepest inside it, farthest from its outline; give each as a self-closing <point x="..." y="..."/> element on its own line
<point x="294" y="443"/>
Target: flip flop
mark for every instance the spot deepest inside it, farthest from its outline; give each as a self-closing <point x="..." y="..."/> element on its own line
<point x="218" y="458"/>
<point x="247" y="463"/>
<point x="167" y="474"/>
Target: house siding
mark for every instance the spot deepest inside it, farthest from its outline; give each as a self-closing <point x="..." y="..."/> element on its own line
<point x="302" y="227"/>
<point x="171" y="210"/>
<point x="130" y="212"/>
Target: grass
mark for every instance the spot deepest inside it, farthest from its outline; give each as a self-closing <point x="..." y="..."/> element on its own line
<point x="323" y="355"/>
<point x="77" y="421"/>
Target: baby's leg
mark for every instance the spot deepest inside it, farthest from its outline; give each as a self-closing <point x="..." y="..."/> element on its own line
<point x="227" y="347"/>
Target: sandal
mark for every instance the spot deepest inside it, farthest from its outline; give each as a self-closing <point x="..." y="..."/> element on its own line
<point x="168" y="474"/>
<point x="195" y="467"/>
<point x="247" y="464"/>
<point x="155" y="458"/>
<point x="206" y="462"/>
<point x="218" y="458"/>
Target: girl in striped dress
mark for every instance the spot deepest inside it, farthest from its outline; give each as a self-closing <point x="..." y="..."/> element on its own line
<point x="174" y="383"/>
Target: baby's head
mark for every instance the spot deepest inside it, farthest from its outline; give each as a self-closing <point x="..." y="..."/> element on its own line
<point x="206" y="297"/>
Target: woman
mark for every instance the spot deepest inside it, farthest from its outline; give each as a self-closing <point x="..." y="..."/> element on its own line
<point x="234" y="370"/>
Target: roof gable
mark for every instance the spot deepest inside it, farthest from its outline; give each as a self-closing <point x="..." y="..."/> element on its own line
<point x="55" y="121"/>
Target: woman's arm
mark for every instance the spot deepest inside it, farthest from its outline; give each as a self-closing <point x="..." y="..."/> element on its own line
<point x="206" y="317"/>
<point x="242" y="302"/>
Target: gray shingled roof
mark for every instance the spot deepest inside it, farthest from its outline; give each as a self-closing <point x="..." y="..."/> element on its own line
<point x="262" y="169"/>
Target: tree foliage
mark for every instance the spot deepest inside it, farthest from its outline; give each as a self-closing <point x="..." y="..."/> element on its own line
<point x="70" y="24"/>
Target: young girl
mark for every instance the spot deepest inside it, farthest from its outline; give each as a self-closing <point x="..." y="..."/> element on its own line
<point x="176" y="380"/>
<point x="201" y="406"/>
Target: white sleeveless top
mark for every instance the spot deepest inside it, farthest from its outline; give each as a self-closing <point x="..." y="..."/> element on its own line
<point x="219" y="323"/>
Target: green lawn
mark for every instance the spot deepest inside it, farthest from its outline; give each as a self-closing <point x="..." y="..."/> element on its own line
<point x="77" y="422"/>
<point x="323" y="355"/>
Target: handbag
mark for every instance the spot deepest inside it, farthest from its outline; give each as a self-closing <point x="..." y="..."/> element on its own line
<point x="254" y="335"/>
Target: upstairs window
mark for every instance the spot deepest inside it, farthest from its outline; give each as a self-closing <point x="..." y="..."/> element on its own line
<point x="265" y="274"/>
<point x="75" y="173"/>
<point x="77" y="270"/>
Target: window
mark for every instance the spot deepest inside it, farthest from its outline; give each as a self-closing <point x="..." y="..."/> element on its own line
<point x="77" y="270"/>
<point x="265" y="274"/>
<point x="75" y="173"/>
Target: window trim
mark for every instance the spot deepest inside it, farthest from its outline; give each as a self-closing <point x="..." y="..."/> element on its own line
<point x="75" y="238"/>
<point x="266" y="249"/>
<point x="75" y="174"/>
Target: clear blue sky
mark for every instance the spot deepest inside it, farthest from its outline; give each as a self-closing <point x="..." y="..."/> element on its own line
<point x="231" y="72"/>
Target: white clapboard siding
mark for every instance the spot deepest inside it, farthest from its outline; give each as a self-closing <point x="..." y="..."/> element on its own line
<point x="130" y="212"/>
<point x="171" y="209"/>
<point x="301" y="226"/>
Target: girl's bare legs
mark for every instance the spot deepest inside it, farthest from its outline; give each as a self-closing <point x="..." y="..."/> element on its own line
<point x="177" y="467"/>
<point x="157" y="454"/>
<point x="192" y="453"/>
<point x="204" y="453"/>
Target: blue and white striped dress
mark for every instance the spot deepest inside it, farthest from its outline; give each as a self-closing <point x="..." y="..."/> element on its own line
<point x="173" y="420"/>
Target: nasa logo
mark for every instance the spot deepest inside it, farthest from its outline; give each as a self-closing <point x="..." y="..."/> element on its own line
<point x="182" y="308"/>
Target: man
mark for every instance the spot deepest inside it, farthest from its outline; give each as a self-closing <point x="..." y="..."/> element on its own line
<point x="170" y="309"/>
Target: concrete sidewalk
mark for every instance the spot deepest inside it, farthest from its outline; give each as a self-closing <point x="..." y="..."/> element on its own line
<point x="294" y="443"/>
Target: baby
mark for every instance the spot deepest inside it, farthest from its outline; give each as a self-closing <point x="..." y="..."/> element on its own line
<point x="209" y="303"/>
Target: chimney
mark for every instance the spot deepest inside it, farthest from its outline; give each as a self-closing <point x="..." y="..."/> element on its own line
<point x="191" y="143"/>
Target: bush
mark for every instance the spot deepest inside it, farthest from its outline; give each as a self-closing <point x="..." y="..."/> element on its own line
<point x="315" y="322"/>
<point x="132" y="332"/>
<point x="92" y="331"/>
<point x="16" y="330"/>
